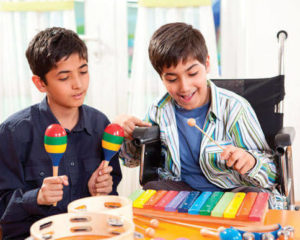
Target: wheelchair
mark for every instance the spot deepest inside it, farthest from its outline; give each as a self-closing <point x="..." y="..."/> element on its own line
<point x="266" y="96"/>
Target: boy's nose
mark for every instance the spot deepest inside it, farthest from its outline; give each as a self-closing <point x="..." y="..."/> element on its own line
<point x="183" y="84"/>
<point x="76" y="83"/>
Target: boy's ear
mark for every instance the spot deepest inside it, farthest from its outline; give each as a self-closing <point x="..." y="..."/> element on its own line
<point x="207" y="64"/>
<point x="39" y="83"/>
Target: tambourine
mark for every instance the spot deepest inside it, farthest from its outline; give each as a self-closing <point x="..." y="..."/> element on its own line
<point x="117" y="205"/>
<point x="268" y="232"/>
<point x="79" y="226"/>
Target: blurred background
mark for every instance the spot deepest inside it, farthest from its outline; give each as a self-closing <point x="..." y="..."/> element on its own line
<point x="241" y="39"/>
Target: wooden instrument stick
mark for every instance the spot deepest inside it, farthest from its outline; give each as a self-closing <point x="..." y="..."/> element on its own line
<point x="150" y="232"/>
<point x="55" y="174"/>
<point x="205" y="232"/>
<point x="104" y="164"/>
<point x="179" y="223"/>
<point x="192" y="123"/>
<point x="153" y="222"/>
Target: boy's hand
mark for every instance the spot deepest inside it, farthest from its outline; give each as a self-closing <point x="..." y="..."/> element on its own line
<point x="238" y="158"/>
<point x="128" y="123"/>
<point x="101" y="181"/>
<point x="52" y="190"/>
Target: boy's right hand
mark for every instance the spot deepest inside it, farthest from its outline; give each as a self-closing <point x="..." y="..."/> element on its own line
<point x="52" y="190"/>
<point x="128" y="123"/>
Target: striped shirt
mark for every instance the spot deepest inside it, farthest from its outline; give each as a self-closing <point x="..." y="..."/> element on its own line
<point x="230" y="121"/>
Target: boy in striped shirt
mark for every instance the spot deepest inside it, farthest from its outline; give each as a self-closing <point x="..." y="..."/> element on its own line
<point x="179" y="54"/>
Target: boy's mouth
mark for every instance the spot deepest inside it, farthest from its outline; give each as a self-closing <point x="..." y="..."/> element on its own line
<point x="78" y="96"/>
<point x="187" y="97"/>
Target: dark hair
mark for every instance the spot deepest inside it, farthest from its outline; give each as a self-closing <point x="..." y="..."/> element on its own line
<point x="50" y="46"/>
<point x="174" y="42"/>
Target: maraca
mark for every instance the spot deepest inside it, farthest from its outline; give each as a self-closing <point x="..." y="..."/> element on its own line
<point x="112" y="139"/>
<point x="55" y="142"/>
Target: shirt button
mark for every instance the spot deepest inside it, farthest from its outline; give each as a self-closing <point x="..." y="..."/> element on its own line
<point x="42" y="174"/>
<point x="72" y="164"/>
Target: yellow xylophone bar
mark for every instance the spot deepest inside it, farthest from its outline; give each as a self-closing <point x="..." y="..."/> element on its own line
<point x="234" y="205"/>
<point x="143" y="198"/>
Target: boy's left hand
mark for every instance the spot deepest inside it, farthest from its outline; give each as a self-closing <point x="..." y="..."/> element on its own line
<point x="101" y="182"/>
<point x="238" y="158"/>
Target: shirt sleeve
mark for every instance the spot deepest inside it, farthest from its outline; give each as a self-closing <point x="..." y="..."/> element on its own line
<point x="130" y="154"/>
<point x="116" y="173"/>
<point x="17" y="201"/>
<point x="247" y="134"/>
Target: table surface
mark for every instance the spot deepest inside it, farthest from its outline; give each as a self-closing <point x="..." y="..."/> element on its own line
<point x="170" y="231"/>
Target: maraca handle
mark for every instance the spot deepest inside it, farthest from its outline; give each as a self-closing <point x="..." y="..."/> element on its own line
<point x="55" y="174"/>
<point x="105" y="165"/>
<point x="55" y="171"/>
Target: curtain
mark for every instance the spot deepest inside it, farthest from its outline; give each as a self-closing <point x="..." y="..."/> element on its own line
<point x="249" y="48"/>
<point x="107" y="41"/>
<point x="145" y="82"/>
<point x="19" y="22"/>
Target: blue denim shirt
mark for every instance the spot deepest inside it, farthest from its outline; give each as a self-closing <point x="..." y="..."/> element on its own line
<point x="24" y="164"/>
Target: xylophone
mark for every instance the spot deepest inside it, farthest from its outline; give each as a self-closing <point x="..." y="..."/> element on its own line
<point x="217" y="207"/>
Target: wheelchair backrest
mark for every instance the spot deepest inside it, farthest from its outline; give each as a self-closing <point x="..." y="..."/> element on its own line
<point x="264" y="95"/>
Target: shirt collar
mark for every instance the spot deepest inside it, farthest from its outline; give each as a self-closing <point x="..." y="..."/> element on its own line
<point x="214" y="101"/>
<point x="84" y="122"/>
<point x="47" y="118"/>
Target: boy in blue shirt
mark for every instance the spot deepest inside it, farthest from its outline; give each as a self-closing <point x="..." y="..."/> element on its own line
<point x="179" y="54"/>
<point x="59" y="62"/>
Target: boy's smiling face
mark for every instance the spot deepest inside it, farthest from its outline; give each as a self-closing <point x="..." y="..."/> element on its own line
<point x="67" y="83"/>
<point x="186" y="83"/>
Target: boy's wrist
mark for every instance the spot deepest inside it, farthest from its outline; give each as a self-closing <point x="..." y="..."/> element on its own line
<point x="253" y="171"/>
<point x="31" y="205"/>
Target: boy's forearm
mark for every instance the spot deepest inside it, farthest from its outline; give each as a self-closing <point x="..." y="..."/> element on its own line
<point x="20" y="205"/>
<point x="21" y="211"/>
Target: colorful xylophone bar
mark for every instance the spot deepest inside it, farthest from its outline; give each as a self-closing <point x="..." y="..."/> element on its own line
<point x="239" y="206"/>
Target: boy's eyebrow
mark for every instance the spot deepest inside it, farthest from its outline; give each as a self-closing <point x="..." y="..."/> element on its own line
<point x="83" y="65"/>
<point x="61" y="72"/>
<point x="172" y="74"/>
<point x="67" y="71"/>
<point x="168" y="73"/>
<point x="189" y="68"/>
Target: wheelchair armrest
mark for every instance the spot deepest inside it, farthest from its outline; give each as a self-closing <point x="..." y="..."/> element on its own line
<point x="145" y="135"/>
<point x="284" y="138"/>
<point x="147" y="139"/>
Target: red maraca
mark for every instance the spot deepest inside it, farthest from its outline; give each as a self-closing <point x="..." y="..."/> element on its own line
<point x="112" y="139"/>
<point x="55" y="142"/>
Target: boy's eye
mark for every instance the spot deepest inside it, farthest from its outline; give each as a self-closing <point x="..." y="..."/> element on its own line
<point x="83" y="72"/>
<point x="63" y="79"/>
<point x="193" y="74"/>
<point x="171" y="80"/>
